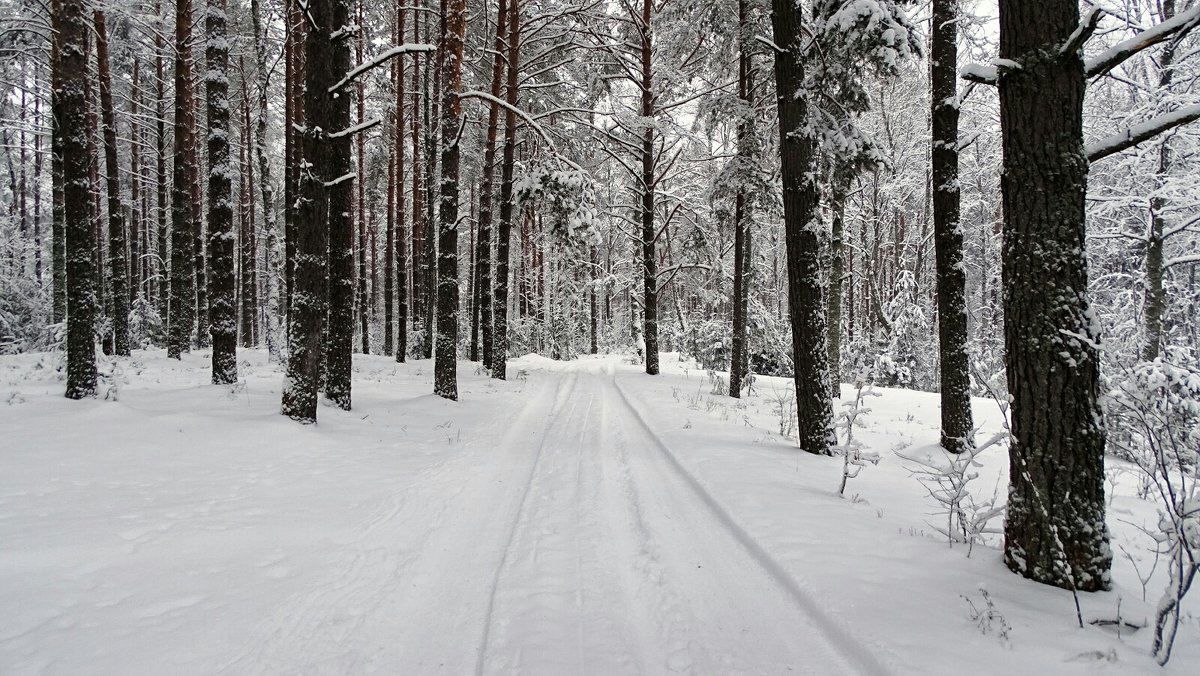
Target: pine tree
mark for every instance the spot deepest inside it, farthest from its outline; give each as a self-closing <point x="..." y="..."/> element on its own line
<point x="222" y="306"/>
<point x="70" y="115"/>
<point x="183" y="273"/>
<point x="118" y="265"/>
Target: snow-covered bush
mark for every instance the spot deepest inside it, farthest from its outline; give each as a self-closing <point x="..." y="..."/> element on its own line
<point x="1154" y="410"/>
<point x="854" y="454"/>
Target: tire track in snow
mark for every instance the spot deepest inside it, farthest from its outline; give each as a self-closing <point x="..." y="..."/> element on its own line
<point x="835" y="634"/>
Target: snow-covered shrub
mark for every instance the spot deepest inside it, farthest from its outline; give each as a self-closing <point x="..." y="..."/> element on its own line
<point x="988" y="618"/>
<point x="947" y="477"/>
<point x="24" y="315"/>
<point x="1154" y="410"/>
<point x="853" y="452"/>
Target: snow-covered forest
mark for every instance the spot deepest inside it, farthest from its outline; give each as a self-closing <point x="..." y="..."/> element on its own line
<point x="599" y="336"/>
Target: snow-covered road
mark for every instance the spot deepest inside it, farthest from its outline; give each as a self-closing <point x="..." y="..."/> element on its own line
<point x="570" y="546"/>
<point x="580" y="518"/>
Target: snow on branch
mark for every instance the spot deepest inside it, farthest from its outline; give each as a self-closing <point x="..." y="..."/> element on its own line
<point x="1114" y="56"/>
<point x="1138" y="133"/>
<point x="379" y="61"/>
<point x="533" y="124"/>
<point x="361" y="127"/>
<point x="988" y="75"/>
<point x="1083" y="32"/>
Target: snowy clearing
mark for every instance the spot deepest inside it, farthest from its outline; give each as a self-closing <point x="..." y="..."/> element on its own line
<point x="580" y="518"/>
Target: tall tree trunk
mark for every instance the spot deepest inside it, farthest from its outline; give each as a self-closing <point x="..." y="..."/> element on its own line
<point x="483" y="246"/>
<point x="317" y="222"/>
<point x="334" y="165"/>
<point x="401" y="253"/>
<point x="200" y="243"/>
<point x="58" y="214"/>
<point x="138" y="243"/>
<point x="837" y="271"/>
<point x="647" y="186"/>
<point x="445" y="379"/>
<point x="418" y="208"/>
<point x="810" y="353"/>
<point x="183" y="271"/>
<point x="247" y="245"/>
<point x="222" y="302"/>
<point x="1155" y="304"/>
<point x="118" y="258"/>
<point x="389" y="260"/>
<point x="163" y="199"/>
<point x="741" y="216"/>
<point x="70" y="115"/>
<point x="1055" y="531"/>
<point x="507" y="162"/>
<point x="274" y="266"/>
<point x="957" y="423"/>
<point x="360" y="201"/>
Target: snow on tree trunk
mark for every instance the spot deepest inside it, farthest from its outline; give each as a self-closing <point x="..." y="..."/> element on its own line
<point x="801" y="225"/>
<point x="504" y="234"/>
<point x="957" y="424"/>
<point x="71" y="114"/>
<point x="183" y="274"/>
<point x="1055" y="532"/>
<point x="118" y="263"/>
<point x="222" y="306"/>
<point x="333" y="166"/>
<point x="445" y="379"/>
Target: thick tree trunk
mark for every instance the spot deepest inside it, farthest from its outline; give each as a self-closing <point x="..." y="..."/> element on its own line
<point x="1055" y="531"/>
<point x="800" y="207"/>
<point x="118" y="261"/>
<point x="335" y="168"/>
<point x="222" y="306"/>
<point x="504" y="235"/>
<point x="70" y="115"/>
<point x="317" y="222"/>
<point x="183" y="272"/>
<point x="445" y="379"/>
<point x="957" y="424"/>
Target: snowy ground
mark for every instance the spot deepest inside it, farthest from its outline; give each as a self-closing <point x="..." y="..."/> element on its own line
<point x="580" y="518"/>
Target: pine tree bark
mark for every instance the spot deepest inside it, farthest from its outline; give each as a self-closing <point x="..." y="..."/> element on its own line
<point x="70" y="114"/>
<point x="508" y="160"/>
<point x="741" y="217"/>
<point x="334" y="167"/>
<point x="183" y="272"/>
<point x="222" y="301"/>
<point x="58" y="214"/>
<point x="389" y="261"/>
<point x="445" y="378"/>
<point x="361" y="202"/>
<point x="274" y="266"/>
<point x="1055" y="531"/>
<point x="483" y="246"/>
<point x="810" y="352"/>
<point x="163" y="200"/>
<point x="957" y="423"/>
<point x="647" y="186"/>
<point x="401" y="253"/>
<point x="247" y="241"/>
<point x="118" y="261"/>
<point x="317" y="168"/>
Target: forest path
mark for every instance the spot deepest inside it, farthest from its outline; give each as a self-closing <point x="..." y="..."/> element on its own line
<point x="617" y="563"/>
